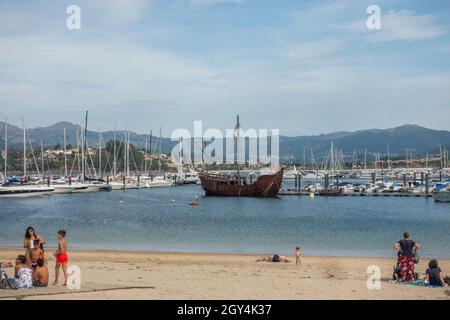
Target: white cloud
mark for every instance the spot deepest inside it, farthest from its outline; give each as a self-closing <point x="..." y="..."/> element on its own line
<point x="313" y="50"/>
<point x="51" y="72"/>
<point x="407" y="26"/>
<point x="207" y="3"/>
<point x="119" y="11"/>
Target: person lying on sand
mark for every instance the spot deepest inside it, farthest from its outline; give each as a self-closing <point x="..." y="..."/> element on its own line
<point x="6" y="265"/>
<point x="40" y="275"/>
<point x="274" y="258"/>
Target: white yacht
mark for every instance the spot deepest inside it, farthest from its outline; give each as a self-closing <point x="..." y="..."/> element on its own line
<point x="24" y="191"/>
<point x="156" y="182"/>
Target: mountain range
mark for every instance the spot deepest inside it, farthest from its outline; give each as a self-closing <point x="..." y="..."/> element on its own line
<point x="402" y="140"/>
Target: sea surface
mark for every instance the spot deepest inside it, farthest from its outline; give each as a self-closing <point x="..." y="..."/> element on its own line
<point x="160" y="219"/>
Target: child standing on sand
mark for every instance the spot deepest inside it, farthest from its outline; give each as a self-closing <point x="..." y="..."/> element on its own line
<point x="61" y="257"/>
<point x="35" y="254"/>
<point x="298" y="254"/>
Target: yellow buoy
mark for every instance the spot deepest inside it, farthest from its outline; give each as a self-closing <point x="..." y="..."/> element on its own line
<point x="312" y="196"/>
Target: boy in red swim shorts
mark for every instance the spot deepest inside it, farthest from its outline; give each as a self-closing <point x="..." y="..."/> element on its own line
<point x="61" y="257"/>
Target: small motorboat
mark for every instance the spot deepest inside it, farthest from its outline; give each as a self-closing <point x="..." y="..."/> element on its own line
<point x="194" y="203"/>
<point x="331" y="193"/>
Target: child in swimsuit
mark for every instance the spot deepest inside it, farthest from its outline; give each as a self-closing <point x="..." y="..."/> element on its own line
<point x="36" y="254"/>
<point x="61" y="257"/>
<point x="298" y="254"/>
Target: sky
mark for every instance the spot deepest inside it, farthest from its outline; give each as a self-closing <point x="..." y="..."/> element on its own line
<point x="304" y="67"/>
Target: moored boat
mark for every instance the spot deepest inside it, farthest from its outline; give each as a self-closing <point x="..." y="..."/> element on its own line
<point x="331" y="193"/>
<point x="23" y="191"/>
<point x="442" y="196"/>
<point x="441" y="193"/>
<point x="234" y="186"/>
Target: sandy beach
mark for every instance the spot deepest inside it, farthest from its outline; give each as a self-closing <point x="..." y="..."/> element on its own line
<point x="144" y="275"/>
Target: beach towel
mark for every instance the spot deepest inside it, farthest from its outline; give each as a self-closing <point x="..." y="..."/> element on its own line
<point x="419" y="283"/>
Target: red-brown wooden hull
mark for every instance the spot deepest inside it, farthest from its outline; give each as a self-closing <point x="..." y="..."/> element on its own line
<point x="264" y="186"/>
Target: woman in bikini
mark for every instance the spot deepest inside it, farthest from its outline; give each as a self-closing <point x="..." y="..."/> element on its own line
<point x="28" y="243"/>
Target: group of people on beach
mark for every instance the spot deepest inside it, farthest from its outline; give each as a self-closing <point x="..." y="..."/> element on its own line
<point x="404" y="271"/>
<point x="30" y="269"/>
<point x="407" y="259"/>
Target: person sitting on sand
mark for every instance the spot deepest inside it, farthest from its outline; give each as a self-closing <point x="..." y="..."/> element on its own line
<point x="61" y="257"/>
<point x="40" y="275"/>
<point x="407" y="249"/>
<point x="36" y="254"/>
<point x="23" y="274"/>
<point x="298" y="254"/>
<point x="434" y="275"/>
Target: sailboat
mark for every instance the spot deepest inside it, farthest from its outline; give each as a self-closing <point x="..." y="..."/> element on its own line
<point x="159" y="181"/>
<point x="81" y="185"/>
<point x="10" y="190"/>
<point x="236" y="186"/>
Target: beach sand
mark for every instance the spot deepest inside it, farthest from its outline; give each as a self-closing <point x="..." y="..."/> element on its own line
<point x="136" y="275"/>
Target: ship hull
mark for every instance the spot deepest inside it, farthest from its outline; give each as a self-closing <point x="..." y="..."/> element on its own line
<point x="264" y="186"/>
<point x="442" y="196"/>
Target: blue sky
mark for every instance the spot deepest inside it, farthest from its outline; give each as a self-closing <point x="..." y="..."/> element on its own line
<point x="305" y="67"/>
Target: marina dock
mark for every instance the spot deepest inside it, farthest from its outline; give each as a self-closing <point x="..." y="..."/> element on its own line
<point x="358" y="194"/>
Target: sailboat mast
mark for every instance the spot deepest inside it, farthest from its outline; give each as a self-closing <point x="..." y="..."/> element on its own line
<point x="332" y="157"/>
<point x="159" y="162"/>
<point x="65" y="154"/>
<point x="6" y="149"/>
<point x="128" y="153"/>
<point x="114" y="151"/>
<point x="78" y="151"/>
<point x="42" y="160"/>
<point x="365" y="159"/>
<point x="145" y="154"/>
<point x="24" y="149"/>
<point x="85" y="145"/>
<point x="99" y="153"/>
<point x="150" y="150"/>
<point x="388" y="159"/>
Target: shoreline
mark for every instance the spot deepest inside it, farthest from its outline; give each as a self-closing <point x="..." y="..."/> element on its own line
<point x="116" y="274"/>
<point x="167" y="252"/>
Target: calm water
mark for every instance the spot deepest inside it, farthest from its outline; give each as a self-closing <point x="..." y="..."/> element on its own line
<point x="161" y="220"/>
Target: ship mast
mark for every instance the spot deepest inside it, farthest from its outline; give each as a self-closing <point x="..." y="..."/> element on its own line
<point x="236" y="139"/>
